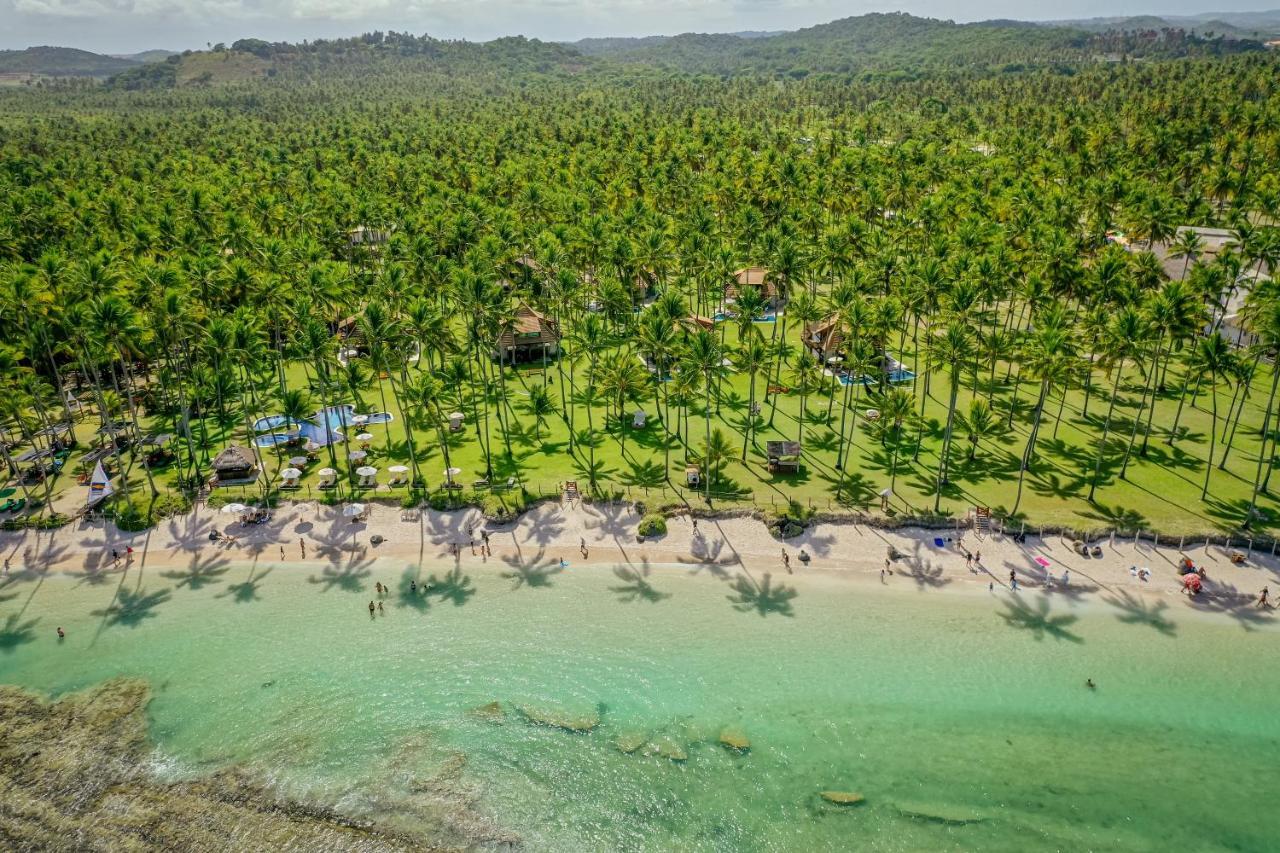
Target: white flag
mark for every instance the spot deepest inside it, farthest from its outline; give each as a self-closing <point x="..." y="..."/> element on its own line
<point x="99" y="484"/>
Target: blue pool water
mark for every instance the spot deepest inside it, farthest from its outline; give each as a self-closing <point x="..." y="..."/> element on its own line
<point x="894" y="377"/>
<point x="334" y="417"/>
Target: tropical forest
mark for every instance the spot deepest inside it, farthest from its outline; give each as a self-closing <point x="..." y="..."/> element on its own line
<point x="886" y="266"/>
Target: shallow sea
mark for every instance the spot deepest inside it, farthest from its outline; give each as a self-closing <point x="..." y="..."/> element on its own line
<point x="960" y="715"/>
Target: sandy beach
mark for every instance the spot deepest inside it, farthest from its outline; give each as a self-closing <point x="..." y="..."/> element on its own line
<point x="604" y="535"/>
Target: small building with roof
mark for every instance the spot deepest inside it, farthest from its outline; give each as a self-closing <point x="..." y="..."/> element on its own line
<point x="235" y="464"/>
<point x="825" y="339"/>
<point x="757" y="278"/>
<point x="532" y="336"/>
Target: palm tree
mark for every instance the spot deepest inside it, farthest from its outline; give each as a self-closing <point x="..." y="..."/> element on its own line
<point x="1213" y="357"/>
<point x="752" y="357"/>
<point x="703" y="356"/>
<point x="1124" y="341"/>
<point x="541" y="406"/>
<point x="978" y="423"/>
<point x="953" y="347"/>
<point x="1049" y="356"/>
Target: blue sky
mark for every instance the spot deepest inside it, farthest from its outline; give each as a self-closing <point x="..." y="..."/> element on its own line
<point x="119" y="26"/>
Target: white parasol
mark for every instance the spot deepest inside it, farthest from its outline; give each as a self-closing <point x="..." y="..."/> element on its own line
<point x="352" y="510"/>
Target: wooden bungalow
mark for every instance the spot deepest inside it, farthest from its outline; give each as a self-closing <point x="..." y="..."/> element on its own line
<point x="825" y="339"/>
<point x="755" y="277"/>
<point x="351" y="336"/>
<point x="235" y="464"/>
<point x="531" y="337"/>
<point x="784" y="456"/>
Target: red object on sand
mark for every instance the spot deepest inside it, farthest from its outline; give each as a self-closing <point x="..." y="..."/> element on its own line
<point x="1192" y="582"/>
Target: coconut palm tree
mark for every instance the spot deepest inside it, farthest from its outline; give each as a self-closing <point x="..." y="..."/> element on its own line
<point x="703" y="357"/>
<point x="1124" y="342"/>
<point x="1212" y="357"/>
<point x="952" y="347"/>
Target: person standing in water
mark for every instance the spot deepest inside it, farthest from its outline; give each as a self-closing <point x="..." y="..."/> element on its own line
<point x="371" y="609"/>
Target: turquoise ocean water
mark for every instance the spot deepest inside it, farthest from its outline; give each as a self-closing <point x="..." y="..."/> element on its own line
<point x="959" y="714"/>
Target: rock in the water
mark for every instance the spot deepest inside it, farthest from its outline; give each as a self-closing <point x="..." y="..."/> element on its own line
<point x="939" y="813"/>
<point x="629" y="743"/>
<point x="667" y="748"/>
<point x="735" y="739"/>
<point x="560" y="719"/>
<point x="492" y="712"/>
<point x="843" y="798"/>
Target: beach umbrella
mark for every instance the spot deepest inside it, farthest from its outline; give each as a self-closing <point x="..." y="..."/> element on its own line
<point x="235" y="509"/>
<point x="364" y="436"/>
<point x="456" y="416"/>
<point x="298" y="461"/>
<point x="398" y="469"/>
<point x="452" y="472"/>
<point x="356" y="455"/>
<point x="352" y="510"/>
<point x="290" y="474"/>
<point x="366" y="471"/>
<point x="360" y="420"/>
<point x="328" y="472"/>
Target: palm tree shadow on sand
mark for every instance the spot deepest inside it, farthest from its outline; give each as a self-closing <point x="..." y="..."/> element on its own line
<point x="132" y="608"/>
<point x="454" y="587"/>
<point x="762" y="598"/>
<point x="635" y="586"/>
<point x="1135" y="611"/>
<point x="1039" y="621"/>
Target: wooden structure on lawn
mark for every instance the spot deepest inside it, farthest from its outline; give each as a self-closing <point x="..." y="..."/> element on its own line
<point x="783" y="456"/>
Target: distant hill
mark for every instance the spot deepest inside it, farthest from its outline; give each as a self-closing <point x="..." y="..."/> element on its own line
<point x="147" y="55"/>
<point x="250" y="59"/>
<point x="61" y="62"/>
<point x="898" y="43"/>
<point x="1231" y="25"/>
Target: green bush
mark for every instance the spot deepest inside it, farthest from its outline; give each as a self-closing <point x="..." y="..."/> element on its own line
<point x="788" y="521"/>
<point x="216" y="501"/>
<point x="411" y="500"/>
<point x="439" y="501"/>
<point x="653" y="524"/>
<point x="169" y="505"/>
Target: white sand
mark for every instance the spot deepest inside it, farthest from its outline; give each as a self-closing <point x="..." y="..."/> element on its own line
<point x="840" y="552"/>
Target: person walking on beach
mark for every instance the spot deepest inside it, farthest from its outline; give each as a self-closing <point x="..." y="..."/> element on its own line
<point x="977" y="558"/>
<point x="302" y="546"/>
<point x="115" y="557"/>
<point x="413" y="587"/>
<point x="282" y="553"/>
<point x="371" y="609"/>
<point x="695" y="525"/>
<point x="882" y="573"/>
<point x="380" y="610"/>
<point x="786" y="560"/>
<point x="1262" y="599"/>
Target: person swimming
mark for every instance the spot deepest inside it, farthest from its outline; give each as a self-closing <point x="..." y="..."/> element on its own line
<point x="61" y="634"/>
<point x="1088" y="682"/>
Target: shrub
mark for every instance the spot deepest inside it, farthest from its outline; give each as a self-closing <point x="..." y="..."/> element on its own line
<point x="439" y="501"/>
<point x="216" y="501"/>
<point x="788" y="521"/>
<point x="170" y="504"/>
<point x="653" y="524"/>
<point x="411" y="500"/>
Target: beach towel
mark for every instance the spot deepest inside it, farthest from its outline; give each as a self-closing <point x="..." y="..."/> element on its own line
<point x="1042" y="562"/>
<point x="937" y="541"/>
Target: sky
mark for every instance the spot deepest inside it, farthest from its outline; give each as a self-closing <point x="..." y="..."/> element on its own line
<point x="126" y="26"/>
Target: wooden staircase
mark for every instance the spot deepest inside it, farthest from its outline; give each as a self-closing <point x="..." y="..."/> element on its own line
<point x="982" y="520"/>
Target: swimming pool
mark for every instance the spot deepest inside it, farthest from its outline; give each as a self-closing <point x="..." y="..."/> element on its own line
<point x="721" y="316"/>
<point x="893" y="377"/>
<point x="333" y="418"/>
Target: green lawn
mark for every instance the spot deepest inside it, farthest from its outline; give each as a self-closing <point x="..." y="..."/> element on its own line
<point x="1161" y="491"/>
